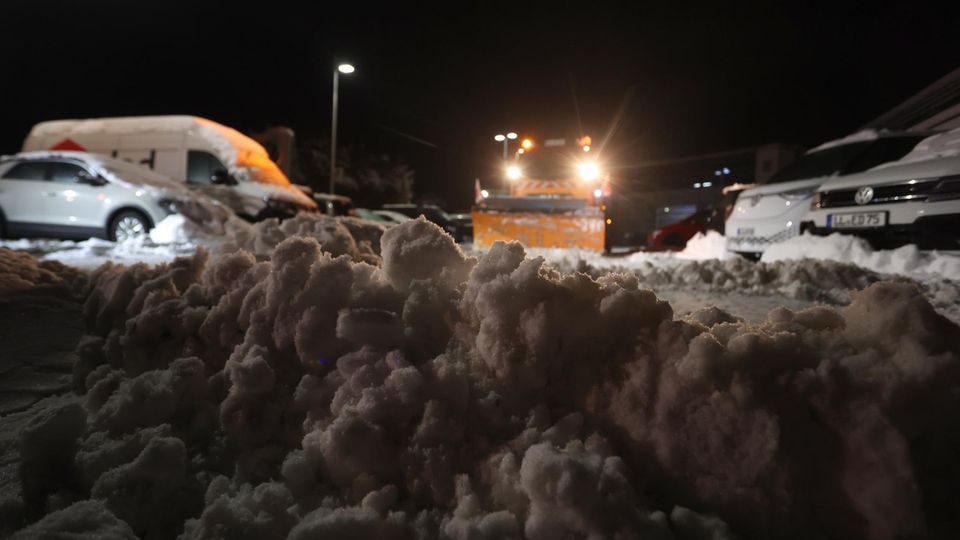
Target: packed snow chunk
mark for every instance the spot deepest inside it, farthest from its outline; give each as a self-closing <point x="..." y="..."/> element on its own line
<point x="906" y="260"/>
<point x="19" y="271"/>
<point x="419" y="249"/>
<point x="351" y="522"/>
<point x="48" y="445"/>
<point x="156" y="479"/>
<point x="244" y="513"/>
<point x="84" y="520"/>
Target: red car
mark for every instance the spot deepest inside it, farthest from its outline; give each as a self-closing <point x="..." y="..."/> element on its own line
<point x="675" y="235"/>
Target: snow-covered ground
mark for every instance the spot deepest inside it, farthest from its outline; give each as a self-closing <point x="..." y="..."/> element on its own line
<point x="329" y="378"/>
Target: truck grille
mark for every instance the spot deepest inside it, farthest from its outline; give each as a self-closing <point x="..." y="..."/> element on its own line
<point x="921" y="190"/>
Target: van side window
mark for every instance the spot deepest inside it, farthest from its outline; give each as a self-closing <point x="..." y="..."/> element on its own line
<point x="201" y="166"/>
<point x="27" y="170"/>
<point x="65" y="173"/>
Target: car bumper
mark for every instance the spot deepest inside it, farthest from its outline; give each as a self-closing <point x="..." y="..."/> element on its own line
<point x="927" y="232"/>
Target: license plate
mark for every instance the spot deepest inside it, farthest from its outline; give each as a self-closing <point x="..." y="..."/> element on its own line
<point x="857" y="220"/>
<point x="745" y="231"/>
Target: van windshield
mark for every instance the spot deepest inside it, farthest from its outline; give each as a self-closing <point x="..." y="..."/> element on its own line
<point x="257" y="167"/>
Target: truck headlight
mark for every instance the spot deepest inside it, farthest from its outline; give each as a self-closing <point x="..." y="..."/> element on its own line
<point x="588" y="171"/>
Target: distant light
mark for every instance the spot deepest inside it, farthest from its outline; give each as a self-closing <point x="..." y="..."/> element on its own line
<point x="520" y="150"/>
<point x="527" y="144"/>
<point x="726" y="170"/>
<point x="499" y="138"/>
<point x="588" y="171"/>
<point x="609" y="221"/>
<point x="586" y="148"/>
<point x="666" y="209"/>
<point x="513" y="172"/>
<point x="484" y="193"/>
<point x="707" y="184"/>
<point x="598" y="193"/>
<point x="696" y="185"/>
<point x="511" y="135"/>
<point x="717" y="172"/>
<point x="346" y="69"/>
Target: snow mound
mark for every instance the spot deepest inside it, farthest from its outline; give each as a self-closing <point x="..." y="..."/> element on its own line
<point x="711" y="245"/>
<point x="906" y="260"/>
<point x="20" y="271"/>
<point x="305" y="394"/>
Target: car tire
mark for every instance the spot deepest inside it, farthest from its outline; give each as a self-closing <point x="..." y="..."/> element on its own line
<point x="128" y="224"/>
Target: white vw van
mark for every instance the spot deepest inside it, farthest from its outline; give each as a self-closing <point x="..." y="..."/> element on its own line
<point x="212" y="158"/>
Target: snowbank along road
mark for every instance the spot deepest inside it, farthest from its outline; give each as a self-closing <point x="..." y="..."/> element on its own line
<point x="326" y="379"/>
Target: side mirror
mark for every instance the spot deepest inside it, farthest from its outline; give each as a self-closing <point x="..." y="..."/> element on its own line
<point x="222" y="178"/>
<point x="86" y="177"/>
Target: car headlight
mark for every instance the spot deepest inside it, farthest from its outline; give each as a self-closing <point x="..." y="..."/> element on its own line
<point x="170" y="206"/>
<point x="815" y="201"/>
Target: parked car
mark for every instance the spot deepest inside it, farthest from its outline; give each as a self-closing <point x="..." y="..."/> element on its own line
<point x="392" y="217"/>
<point x="675" y="235"/>
<point x="461" y="232"/>
<point x="916" y="200"/>
<point x="334" y="205"/>
<point x="772" y="212"/>
<point x="80" y="195"/>
<point x="209" y="157"/>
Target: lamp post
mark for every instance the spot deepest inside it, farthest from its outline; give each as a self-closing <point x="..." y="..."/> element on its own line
<point x="505" y="139"/>
<point x="346" y="69"/>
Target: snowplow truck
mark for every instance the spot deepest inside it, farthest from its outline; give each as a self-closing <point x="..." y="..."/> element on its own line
<point x="554" y="198"/>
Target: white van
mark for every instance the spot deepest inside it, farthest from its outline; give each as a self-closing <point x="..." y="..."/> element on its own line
<point x="218" y="161"/>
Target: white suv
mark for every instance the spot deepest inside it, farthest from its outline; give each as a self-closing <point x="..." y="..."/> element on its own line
<point x="916" y="200"/>
<point x="772" y="212"/>
<point x="79" y="195"/>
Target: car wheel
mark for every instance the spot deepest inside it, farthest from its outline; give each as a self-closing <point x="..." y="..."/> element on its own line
<point x="128" y="224"/>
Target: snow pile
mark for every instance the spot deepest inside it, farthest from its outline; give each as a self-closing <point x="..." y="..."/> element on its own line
<point x="906" y="260"/>
<point x="711" y="245"/>
<point x="440" y="396"/>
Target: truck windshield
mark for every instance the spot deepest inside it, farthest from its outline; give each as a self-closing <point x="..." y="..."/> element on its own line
<point x="256" y="167"/>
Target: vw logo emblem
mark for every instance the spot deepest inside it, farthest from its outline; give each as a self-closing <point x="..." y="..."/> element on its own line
<point x="864" y="195"/>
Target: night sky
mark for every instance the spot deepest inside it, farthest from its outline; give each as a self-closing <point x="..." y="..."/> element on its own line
<point x="689" y="80"/>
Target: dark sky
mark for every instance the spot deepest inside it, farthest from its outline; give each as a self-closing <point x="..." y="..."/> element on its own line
<point x="691" y="80"/>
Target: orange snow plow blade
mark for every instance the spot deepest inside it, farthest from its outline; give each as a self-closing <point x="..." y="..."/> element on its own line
<point x="582" y="230"/>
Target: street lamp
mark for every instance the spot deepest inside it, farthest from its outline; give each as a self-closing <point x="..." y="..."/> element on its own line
<point x="505" y="139"/>
<point x="346" y="69"/>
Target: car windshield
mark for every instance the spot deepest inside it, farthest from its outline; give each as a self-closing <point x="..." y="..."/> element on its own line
<point x="823" y="163"/>
<point x="256" y="167"/>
